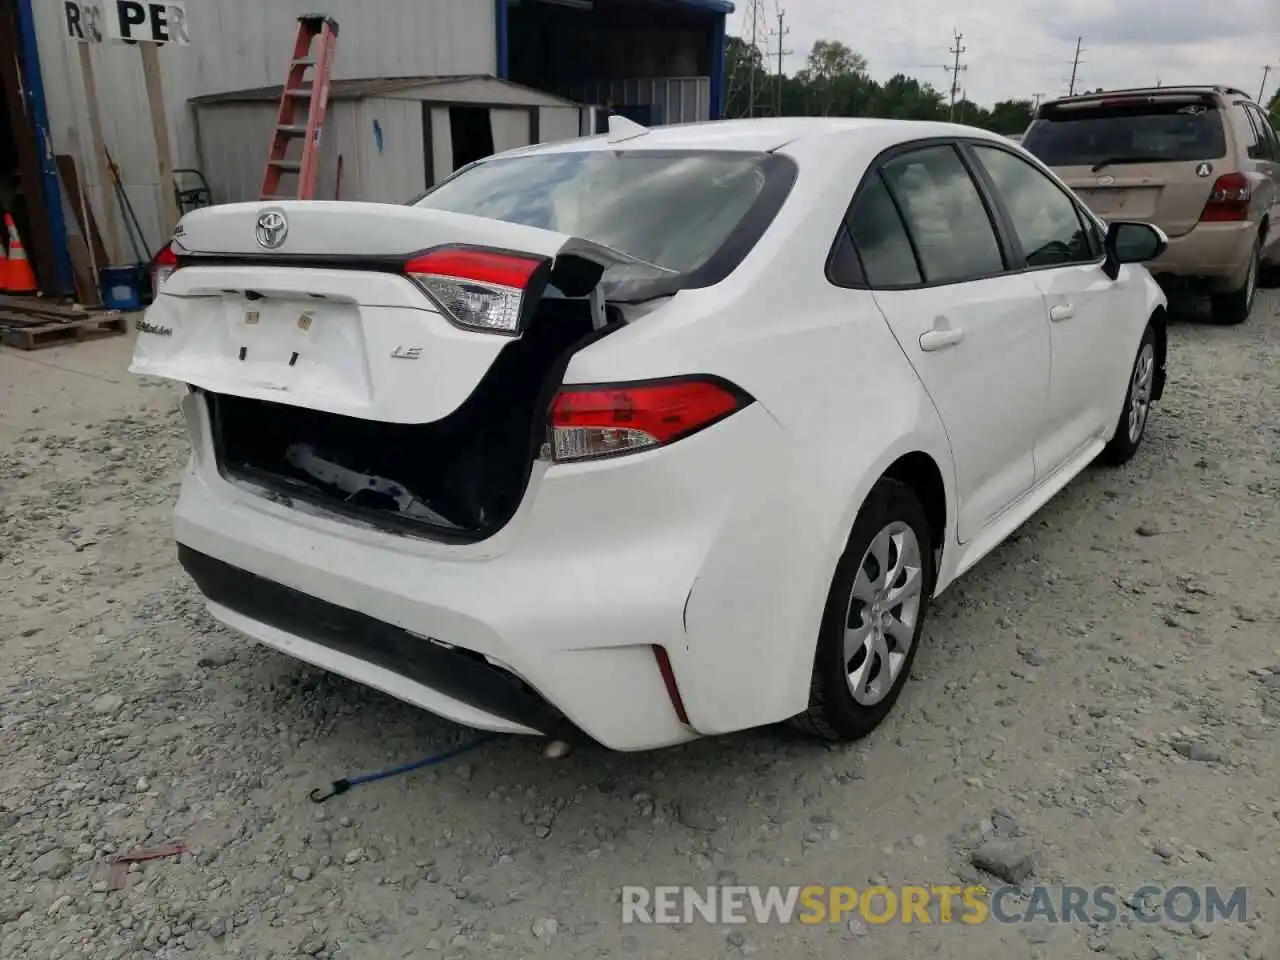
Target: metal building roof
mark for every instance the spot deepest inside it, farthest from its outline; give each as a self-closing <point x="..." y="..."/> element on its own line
<point x="380" y="87"/>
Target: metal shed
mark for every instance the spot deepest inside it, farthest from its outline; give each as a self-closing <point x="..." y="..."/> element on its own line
<point x="384" y="140"/>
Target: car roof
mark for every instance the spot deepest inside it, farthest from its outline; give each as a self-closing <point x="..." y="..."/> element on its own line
<point x="1190" y="88"/>
<point x="762" y="134"/>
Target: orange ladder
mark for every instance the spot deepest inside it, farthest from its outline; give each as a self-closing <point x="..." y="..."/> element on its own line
<point x="298" y="89"/>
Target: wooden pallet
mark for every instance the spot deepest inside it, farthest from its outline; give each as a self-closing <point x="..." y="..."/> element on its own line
<point x="38" y="335"/>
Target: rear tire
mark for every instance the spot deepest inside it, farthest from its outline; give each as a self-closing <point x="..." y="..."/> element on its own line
<point x="1136" y="412"/>
<point x="1235" y="307"/>
<point x="874" y="616"/>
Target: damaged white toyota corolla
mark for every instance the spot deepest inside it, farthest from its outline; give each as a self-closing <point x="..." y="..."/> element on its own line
<point x="648" y="436"/>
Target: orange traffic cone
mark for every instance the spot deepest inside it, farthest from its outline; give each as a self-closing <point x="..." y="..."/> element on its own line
<point x="19" y="278"/>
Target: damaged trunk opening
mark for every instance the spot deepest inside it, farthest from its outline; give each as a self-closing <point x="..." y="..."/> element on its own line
<point x="459" y="479"/>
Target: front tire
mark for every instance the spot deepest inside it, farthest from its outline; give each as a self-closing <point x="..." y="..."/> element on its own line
<point x="874" y="616"/>
<point x="1235" y="307"/>
<point x="1132" y="425"/>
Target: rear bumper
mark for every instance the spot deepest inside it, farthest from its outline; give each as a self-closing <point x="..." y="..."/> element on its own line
<point x="550" y="625"/>
<point x="1215" y="252"/>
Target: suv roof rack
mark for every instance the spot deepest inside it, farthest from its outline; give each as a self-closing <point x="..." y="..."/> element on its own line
<point x="1176" y="88"/>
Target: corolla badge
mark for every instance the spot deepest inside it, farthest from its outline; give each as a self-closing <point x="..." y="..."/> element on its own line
<point x="1106" y="181"/>
<point x="271" y="230"/>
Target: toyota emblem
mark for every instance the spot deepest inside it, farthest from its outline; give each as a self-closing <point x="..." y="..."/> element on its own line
<point x="272" y="229"/>
<point x="1102" y="182"/>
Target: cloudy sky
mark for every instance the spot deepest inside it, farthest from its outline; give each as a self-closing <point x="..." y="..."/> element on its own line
<point x="1018" y="49"/>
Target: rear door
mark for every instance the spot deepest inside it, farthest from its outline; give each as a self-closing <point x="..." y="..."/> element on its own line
<point x="1151" y="157"/>
<point x="976" y="334"/>
<point x="1264" y="155"/>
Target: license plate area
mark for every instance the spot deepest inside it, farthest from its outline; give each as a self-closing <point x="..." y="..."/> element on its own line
<point x="290" y="344"/>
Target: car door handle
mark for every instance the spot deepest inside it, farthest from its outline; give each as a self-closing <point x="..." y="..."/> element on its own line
<point x="932" y="340"/>
<point x="1061" y="311"/>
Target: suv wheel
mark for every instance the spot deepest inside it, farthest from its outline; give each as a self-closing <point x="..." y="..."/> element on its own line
<point x="1234" y="307"/>
<point x="874" y="617"/>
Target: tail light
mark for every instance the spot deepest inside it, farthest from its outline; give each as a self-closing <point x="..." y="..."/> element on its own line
<point x="1229" y="200"/>
<point x="163" y="264"/>
<point x="589" y="422"/>
<point x="481" y="289"/>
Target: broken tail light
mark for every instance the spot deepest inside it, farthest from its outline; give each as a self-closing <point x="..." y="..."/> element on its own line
<point x="1229" y="200"/>
<point x="590" y="422"/>
<point x="479" y="289"/>
<point x="163" y="265"/>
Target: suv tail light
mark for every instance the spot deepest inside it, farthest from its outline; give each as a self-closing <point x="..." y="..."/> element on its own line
<point x="589" y="422"/>
<point x="163" y="265"/>
<point x="481" y="289"/>
<point x="1229" y="200"/>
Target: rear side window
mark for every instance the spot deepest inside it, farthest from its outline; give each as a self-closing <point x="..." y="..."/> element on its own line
<point x="881" y="239"/>
<point x="674" y="210"/>
<point x="1129" y="132"/>
<point x="1262" y="139"/>
<point x="945" y="216"/>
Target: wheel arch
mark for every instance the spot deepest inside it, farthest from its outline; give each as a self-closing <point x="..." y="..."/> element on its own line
<point x="920" y="473"/>
<point x="1160" y="325"/>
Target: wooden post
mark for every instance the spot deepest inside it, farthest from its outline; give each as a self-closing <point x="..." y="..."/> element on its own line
<point x="110" y="223"/>
<point x="169" y="214"/>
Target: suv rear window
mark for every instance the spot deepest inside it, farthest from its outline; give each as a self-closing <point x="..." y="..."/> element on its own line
<point x="1127" y="133"/>
<point x="676" y="210"/>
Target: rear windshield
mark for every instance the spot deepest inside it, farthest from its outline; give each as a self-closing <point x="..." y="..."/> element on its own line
<point x="1127" y="133"/>
<point x="674" y="210"/>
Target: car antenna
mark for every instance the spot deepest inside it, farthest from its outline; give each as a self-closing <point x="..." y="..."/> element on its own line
<point x="620" y="128"/>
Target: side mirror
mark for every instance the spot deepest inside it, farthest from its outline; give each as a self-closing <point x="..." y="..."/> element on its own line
<point x="1129" y="241"/>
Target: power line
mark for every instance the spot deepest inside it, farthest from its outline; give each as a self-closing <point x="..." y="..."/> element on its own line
<point x="955" y="70"/>
<point x="1075" y="66"/>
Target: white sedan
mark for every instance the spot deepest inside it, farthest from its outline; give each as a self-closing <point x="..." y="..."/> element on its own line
<point x="648" y="436"/>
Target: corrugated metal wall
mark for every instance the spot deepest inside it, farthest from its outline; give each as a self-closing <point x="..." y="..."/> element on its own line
<point x="238" y="44"/>
<point x="673" y="99"/>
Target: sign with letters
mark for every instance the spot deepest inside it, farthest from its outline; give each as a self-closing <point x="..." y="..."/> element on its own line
<point x="82" y="20"/>
<point x="137" y="21"/>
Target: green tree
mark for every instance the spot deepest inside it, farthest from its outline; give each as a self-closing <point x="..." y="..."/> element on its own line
<point x="1273" y="107"/>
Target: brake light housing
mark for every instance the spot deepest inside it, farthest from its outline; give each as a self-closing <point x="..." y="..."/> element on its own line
<point x="591" y="422"/>
<point x="1229" y="200"/>
<point x="163" y="266"/>
<point x="492" y="291"/>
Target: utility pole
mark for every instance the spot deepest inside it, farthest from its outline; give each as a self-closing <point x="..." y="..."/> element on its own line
<point x="955" y="70"/>
<point x="753" y="40"/>
<point x="782" y="31"/>
<point x="1075" y="66"/>
<point x="1266" y="72"/>
<point x="1038" y="97"/>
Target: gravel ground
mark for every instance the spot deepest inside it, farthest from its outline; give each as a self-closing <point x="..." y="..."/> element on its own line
<point x="1102" y="692"/>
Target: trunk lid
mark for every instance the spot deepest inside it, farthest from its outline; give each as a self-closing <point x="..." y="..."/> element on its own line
<point x="327" y="318"/>
<point x="1151" y="156"/>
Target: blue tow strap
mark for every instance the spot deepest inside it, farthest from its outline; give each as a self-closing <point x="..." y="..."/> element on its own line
<point x="342" y="786"/>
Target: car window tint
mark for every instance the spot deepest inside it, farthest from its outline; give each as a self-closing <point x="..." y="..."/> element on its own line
<point x="1126" y="132"/>
<point x="844" y="268"/>
<point x="1253" y="143"/>
<point x="945" y="214"/>
<point x="881" y="239"/>
<point x="1046" y="220"/>
<point x="1269" y="147"/>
